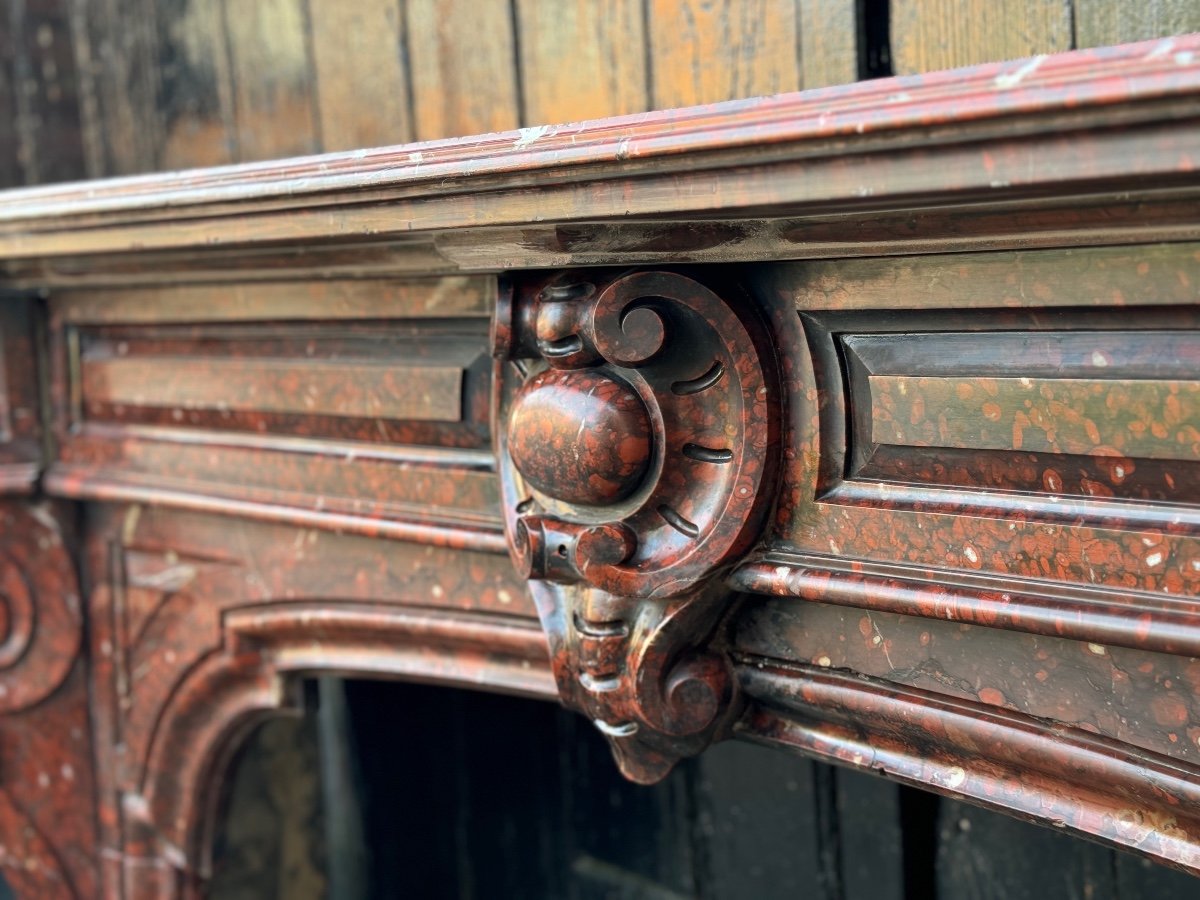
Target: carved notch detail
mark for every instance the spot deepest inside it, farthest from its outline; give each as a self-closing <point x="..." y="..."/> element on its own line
<point x="636" y="428"/>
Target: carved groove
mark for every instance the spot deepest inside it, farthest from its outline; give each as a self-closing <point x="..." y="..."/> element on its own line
<point x="678" y="522"/>
<point x="705" y="454"/>
<point x="601" y="629"/>
<point x="598" y="450"/>
<point x="695" y="385"/>
<point x="601" y="684"/>
<point x="564" y="347"/>
<point x="560" y="293"/>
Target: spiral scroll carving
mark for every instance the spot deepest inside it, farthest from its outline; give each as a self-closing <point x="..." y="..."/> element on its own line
<point x="637" y="429"/>
<point x="40" y="615"/>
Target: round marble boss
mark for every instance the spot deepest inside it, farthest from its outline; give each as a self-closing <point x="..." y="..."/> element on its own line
<point x="580" y="436"/>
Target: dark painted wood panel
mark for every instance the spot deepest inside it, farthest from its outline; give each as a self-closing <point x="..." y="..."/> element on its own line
<point x="194" y="119"/>
<point x="753" y="799"/>
<point x="156" y="85"/>
<point x="1039" y="864"/>
<point x="38" y="93"/>
<point x="753" y="824"/>
<point x="544" y="814"/>
<point x="10" y="170"/>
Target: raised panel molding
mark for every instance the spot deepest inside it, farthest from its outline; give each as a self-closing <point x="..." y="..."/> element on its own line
<point x="203" y="626"/>
<point x="861" y="423"/>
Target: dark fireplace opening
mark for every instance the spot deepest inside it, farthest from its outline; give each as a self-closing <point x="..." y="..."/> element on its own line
<point x="389" y="790"/>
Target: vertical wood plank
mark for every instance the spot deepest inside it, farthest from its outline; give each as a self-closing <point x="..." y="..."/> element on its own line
<point x="44" y="83"/>
<point x="627" y="840"/>
<point x="984" y="855"/>
<point x="116" y="43"/>
<point x="362" y="85"/>
<point x="272" y="78"/>
<point x="581" y="59"/>
<point x="1102" y="22"/>
<point x="195" y="93"/>
<point x="941" y="34"/>
<point x="87" y="73"/>
<point x="759" y="810"/>
<point x="1138" y="878"/>
<point x="10" y="173"/>
<point x="828" y="42"/>
<point x="154" y="84"/>
<point x="463" y="72"/>
<point x="871" y="832"/>
<point x="703" y="51"/>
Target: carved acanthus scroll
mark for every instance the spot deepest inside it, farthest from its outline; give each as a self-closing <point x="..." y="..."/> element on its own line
<point x="637" y="428"/>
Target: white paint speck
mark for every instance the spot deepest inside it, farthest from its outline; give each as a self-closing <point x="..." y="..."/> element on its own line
<point x="824" y="661"/>
<point x="1099" y="359"/>
<point x="530" y="135"/>
<point x="1162" y="48"/>
<point x="969" y="553"/>
<point x="955" y="776"/>
<point x="1006" y="80"/>
<point x="1098" y="649"/>
<point x="1154" y="559"/>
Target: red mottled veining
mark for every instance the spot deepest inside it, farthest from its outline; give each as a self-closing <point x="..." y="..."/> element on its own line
<point x="47" y="795"/>
<point x="994" y="757"/>
<point x="582" y="437"/>
<point x="1093" y="686"/>
<point x="21" y="427"/>
<point x="422" y="393"/>
<point x="204" y="624"/>
<point x="944" y="414"/>
<point x="640" y="444"/>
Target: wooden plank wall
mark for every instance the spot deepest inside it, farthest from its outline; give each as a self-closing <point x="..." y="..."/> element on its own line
<point x="105" y="87"/>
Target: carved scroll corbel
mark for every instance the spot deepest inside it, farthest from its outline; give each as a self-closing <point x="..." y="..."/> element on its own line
<point x="637" y="426"/>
